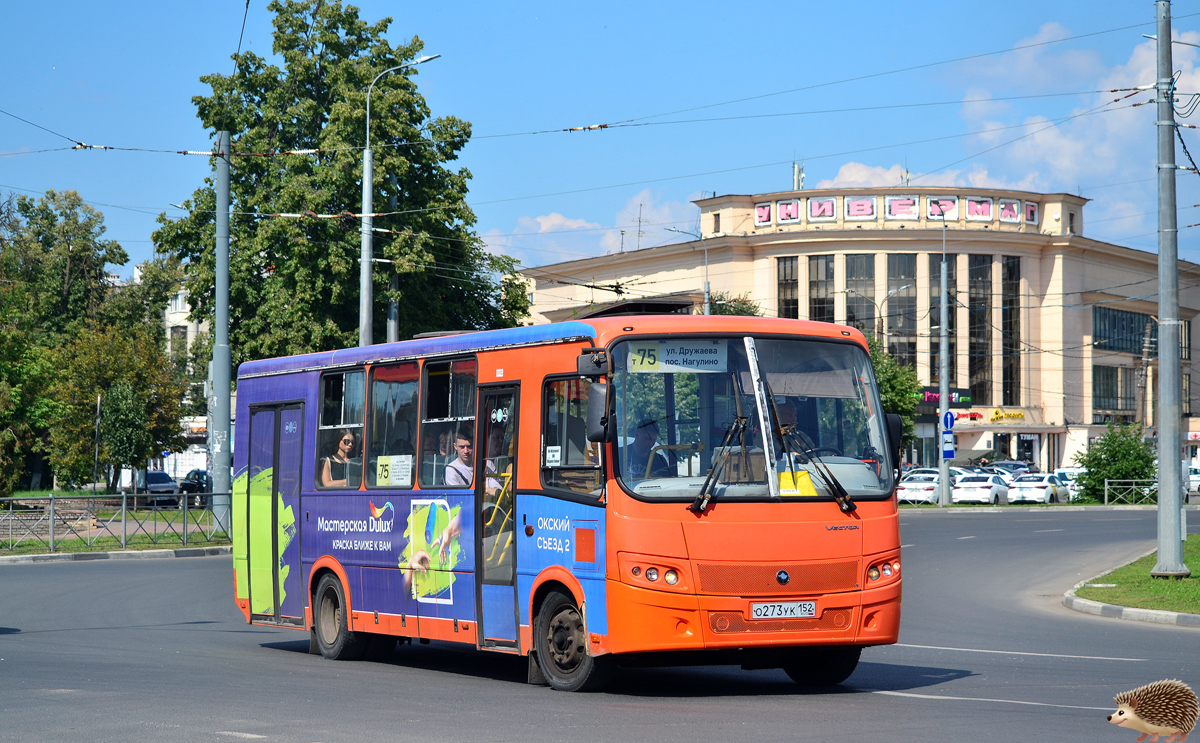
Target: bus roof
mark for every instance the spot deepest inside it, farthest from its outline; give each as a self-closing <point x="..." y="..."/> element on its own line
<point x="600" y="331"/>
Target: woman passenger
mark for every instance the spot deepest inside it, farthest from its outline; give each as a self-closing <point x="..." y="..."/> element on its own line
<point x="334" y="471"/>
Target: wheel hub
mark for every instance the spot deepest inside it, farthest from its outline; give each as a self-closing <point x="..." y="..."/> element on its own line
<point x="565" y="638"/>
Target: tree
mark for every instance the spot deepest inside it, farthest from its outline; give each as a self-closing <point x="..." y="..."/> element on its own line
<point x="61" y="255"/>
<point x="101" y="357"/>
<point x="123" y="426"/>
<point x="726" y="303"/>
<point x="1121" y="453"/>
<point x="899" y="387"/>
<point x="294" y="282"/>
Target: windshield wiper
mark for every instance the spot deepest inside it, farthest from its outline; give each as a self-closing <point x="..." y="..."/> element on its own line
<point x="738" y="429"/>
<point x="790" y="436"/>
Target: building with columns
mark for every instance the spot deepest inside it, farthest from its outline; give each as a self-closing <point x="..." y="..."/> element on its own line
<point x="1052" y="333"/>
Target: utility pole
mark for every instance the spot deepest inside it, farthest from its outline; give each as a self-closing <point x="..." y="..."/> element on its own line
<point x="221" y="365"/>
<point x="96" y="460"/>
<point x="944" y="493"/>
<point x="1170" y="444"/>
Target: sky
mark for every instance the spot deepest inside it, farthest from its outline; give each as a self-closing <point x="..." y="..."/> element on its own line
<point x="702" y="98"/>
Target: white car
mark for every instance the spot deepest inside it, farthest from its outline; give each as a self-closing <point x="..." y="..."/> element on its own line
<point x="1069" y="476"/>
<point x="918" y="489"/>
<point x="979" y="489"/>
<point x="921" y="471"/>
<point x="1193" y="482"/>
<point x="1039" y="488"/>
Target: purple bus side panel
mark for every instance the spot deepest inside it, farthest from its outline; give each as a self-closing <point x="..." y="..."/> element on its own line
<point x="555" y="539"/>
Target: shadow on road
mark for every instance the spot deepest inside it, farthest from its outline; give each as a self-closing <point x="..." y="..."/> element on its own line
<point x="674" y="682"/>
<point x="9" y="630"/>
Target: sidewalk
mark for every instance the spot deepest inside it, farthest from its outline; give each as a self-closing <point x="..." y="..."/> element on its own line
<point x="1114" y="611"/>
<point x="117" y="555"/>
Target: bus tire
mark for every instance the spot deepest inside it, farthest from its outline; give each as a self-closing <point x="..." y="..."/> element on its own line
<point x="561" y="643"/>
<point x="334" y="638"/>
<point x="823" y="666"/>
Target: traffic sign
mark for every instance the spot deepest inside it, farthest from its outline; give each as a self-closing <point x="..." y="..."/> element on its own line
<point x="947" y="421"/>
<point x="947" y="445"/>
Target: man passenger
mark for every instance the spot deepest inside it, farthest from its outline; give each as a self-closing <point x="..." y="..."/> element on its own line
<point x="460" y="472"/>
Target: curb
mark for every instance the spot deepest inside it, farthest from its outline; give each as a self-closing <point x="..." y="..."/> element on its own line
<point x="1059" y="508"/>
<point x="118" y="555"/>
<point x="1128" y="613"/>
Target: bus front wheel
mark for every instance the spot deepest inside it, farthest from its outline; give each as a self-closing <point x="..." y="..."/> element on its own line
<point x="823" y="665"/>
<point x="561" y="641"/>
<point x="334" y="638"/>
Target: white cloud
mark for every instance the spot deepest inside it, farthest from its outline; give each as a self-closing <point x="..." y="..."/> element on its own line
<point x="554" y="222"/>
<point x="653" y="217"/>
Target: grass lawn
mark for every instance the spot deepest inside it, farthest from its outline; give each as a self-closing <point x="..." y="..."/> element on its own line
<point x="1134" y="586"/>
<point x="32" y="546"/>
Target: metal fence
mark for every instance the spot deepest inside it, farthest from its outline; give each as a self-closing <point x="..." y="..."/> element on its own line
<point x="73" y="522"/>
<point x="1131" y="492"/>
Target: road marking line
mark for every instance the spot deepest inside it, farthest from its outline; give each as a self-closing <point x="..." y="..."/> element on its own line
<point x="983" y="699"/>
<point x="1018" y="652"/>
<point x="908" y="545"/>
<point x="971" y="537"/>
<point x="1045" y="531"/>
<point x="238" y="735"/>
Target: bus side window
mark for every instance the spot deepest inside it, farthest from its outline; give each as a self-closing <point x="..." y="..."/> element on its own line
<point x="392" y="432"/>
<point x="569" y="460"/>
<point x="449" y="404"/>
<point x="340" y="430"/>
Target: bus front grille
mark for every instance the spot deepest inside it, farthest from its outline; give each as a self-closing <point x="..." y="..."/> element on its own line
<point x="729" y="622"/>
<point x="758" y="579"/>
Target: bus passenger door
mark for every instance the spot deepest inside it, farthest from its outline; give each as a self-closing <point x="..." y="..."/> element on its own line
<point x="495" y="483"/>
<point x="273" y="500"/>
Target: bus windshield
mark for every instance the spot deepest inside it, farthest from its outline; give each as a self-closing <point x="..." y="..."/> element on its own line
<point x="683" y="406"/>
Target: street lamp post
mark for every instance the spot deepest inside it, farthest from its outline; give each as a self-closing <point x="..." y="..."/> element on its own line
<point x="944" y="494"/>
<point x="878" y="307"/>
<point x="704" y="247"/>
<point x="365" y="289"/>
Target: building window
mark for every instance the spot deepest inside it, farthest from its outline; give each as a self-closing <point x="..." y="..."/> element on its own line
<point x="1071" y="222"/>
<point x="1125" y="332"/>
<point x="789" y="290"/>
<point x="1114" y="395"/>
<point x="1186" y="401"/>
<point x="935" y="316"/>
<point x="716" y="221"/>
<point x="860" y="292"/>
<point x="820" y="288"/>
<point x="1010" y="327"/>
<point x="979" y="330"/>
<point x="902" y="308"/>
<point x="179" y="344"/>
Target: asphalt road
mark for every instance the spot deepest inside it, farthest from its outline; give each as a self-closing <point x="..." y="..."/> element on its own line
<point x="154" y="650"/>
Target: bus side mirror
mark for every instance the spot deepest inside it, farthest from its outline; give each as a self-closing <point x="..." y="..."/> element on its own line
<point x="592" y="364"/>
<point x="895" y="432"/>
<point x="597" y="413"/>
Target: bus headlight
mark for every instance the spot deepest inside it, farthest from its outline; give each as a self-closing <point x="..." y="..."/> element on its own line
<point x="671" y="577"/>
<point x="873" y="573"/>
<point x="651" y="574"/>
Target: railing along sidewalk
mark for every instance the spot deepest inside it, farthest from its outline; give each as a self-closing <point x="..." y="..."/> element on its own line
<point x="1131" y="492"/>
<point x="51" y="520"/>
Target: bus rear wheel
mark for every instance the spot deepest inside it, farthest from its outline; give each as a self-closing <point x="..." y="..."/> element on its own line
<point x="334" y="638"/>
<point x="561" y="644"/>
<point x="823" y="666"/>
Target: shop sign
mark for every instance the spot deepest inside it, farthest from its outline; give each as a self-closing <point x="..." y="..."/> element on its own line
<point x="1027" y="436"/>
<point x="969" y="416"/>
<point x="1005" y="416"/>
<point x="929" y="397"/>
<point x="900" y="207"/>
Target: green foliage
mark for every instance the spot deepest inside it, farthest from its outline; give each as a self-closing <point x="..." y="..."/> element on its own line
<point x="123" y="426"/>
<point x="899" y="387"/>
<point x="103" y="357"/>
<point x="294" y="282"/>
<point x="1120" y="454"/>
<point x="60" y="254"/>
<point x="726" y="303"/>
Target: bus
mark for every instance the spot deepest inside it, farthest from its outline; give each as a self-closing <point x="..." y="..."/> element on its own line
<point x="614" y="491"/>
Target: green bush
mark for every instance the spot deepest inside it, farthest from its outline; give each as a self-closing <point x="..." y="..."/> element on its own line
<point x="1120" y="454"/>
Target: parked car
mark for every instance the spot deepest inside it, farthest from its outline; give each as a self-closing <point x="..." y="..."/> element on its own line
<point x="197" y="483"/>
<point x="979" y="489"/>
<point x="1193" y="482"/>
<point x="1010" y="470"/>
<point x="1069" y="476"/>
<point x="918" y="489"/>
<point x="160" y="484"/>
<point x="1039" y="488"/>
<point x="921" y="471"/>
